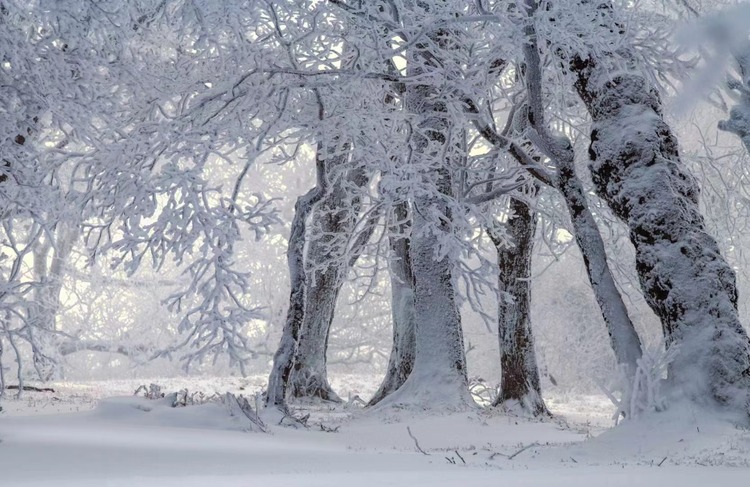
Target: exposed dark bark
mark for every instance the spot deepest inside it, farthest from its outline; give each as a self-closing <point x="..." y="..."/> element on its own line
<point x="520" y="375"/>
<point x="636" y="169"/>
<point x="13" y="387"/>
<point x="310" y="378"/>
<point x="283" y="359"/>
<point x="622" y="333"/>
<point x="335" y="217"/>
<point x="403" y="349"/>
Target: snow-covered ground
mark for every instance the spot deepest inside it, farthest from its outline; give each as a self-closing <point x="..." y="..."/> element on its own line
<point x="78" y="436"/>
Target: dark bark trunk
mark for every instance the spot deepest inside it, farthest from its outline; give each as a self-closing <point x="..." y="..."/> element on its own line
<point x="520" y="375"/>
<point x="283" y="359"/>
<point x="637" y="170"/>
<point x="309" y="378"/>
<point x="403" y="349"/>
<point x="327" y="264"/>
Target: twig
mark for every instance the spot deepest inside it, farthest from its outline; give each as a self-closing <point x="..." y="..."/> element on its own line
<point x="523" y="450"/>
<point x="459" y="456"/>
<point x="416" y="442"/>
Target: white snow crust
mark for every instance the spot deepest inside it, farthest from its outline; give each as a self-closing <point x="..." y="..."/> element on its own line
<point x="131" y="441"/>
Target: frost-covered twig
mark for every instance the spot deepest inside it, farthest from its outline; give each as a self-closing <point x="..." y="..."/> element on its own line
<point x="641" y="392"/>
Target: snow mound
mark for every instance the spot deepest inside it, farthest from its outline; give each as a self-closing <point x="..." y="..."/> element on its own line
<point x="682" y="435"/>
<point x="159" y="412"/>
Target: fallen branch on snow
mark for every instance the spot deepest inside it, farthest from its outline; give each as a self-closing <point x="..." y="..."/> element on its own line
<point x="416" y="442"/>
<point x="30" y="388"/>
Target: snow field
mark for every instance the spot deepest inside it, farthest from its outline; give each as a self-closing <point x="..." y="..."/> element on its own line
<point x="132" y="441"/>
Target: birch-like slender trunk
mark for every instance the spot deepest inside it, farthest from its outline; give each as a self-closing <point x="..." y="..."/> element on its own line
<point x="623" y="337"/>
<point x="636" y="169"/>
<point x="622" y="334"/>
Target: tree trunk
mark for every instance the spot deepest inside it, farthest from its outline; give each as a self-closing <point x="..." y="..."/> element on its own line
<point x="327" y="265"/>
<point x="42" y="313"/>
<point x="438" y="379"/>
<point x="309" y="378"/>
<point x="283" y="359"/>
<point x="520" y="375"/>
<point x="624" y="339"/>
<point x="401" y="360"/>
<point x="637" y="170"/>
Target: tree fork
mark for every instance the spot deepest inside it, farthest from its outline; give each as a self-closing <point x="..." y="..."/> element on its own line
<point x="623" y="336"/>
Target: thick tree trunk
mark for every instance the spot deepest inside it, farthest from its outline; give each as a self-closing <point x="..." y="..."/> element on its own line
<point x="438" y="379"/>
<point x="636" y="168"/>
<point x="335" y="217"/>
<point x="520" y="375"/>
<point x="310" y="378"/>
<point x="403" y="349"/>
<point x="283" y="359"/>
